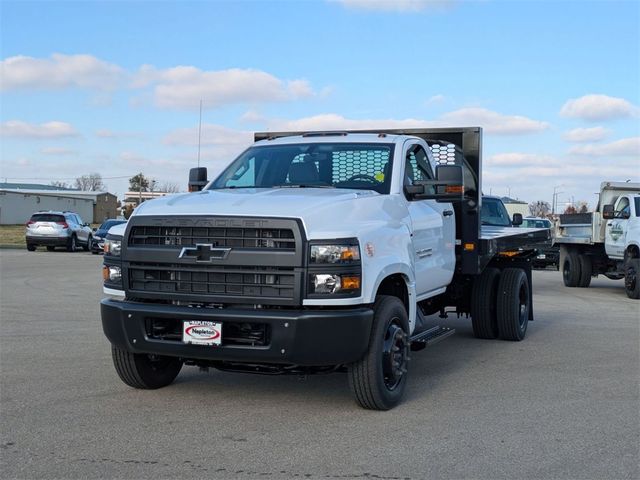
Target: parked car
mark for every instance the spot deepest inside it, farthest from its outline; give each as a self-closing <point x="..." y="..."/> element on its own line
<point x="97" y="246"/>
<point x="57" y="229"/>
<point x="548" y="256"/>
<point x="495" y="214"/>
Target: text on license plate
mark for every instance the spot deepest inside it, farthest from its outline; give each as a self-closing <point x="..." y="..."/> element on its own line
<point x="542" y="256"/>
<point x="199" y="332"/>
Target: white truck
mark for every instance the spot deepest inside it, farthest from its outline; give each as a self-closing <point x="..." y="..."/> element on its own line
<point x="604" y="242"/>
<point x="317" y="252"/>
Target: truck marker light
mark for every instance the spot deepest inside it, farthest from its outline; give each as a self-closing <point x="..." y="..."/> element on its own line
<point x="350" y="283"/>
<point x="454" y="189"/>
<point x="105" y="273"/>
<point x="469" y="247"/>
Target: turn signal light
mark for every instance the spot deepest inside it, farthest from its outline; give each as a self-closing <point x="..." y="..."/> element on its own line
<point x="105" y="273"/>
<point x="350" y="283"/>
<point x="454" y="189"/>
<point x="469" y="247"/>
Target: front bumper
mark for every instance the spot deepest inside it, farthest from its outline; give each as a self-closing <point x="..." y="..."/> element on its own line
<point x="297" y="337"/>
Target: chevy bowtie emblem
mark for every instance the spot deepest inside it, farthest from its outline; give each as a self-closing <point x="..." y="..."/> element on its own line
<point x="204" y="252"/>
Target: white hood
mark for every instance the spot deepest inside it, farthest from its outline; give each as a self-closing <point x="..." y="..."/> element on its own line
<point x="318" y="208"/>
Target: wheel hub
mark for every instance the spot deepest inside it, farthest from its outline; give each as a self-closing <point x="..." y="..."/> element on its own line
<point x="394" y="355"/>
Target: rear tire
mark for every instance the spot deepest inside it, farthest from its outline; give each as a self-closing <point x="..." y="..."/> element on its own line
<point x="31" y="248"/>
<point x="72" y="244"/>
<point x="147" y="372"/>
<point x="50" y="248"/>
<point x="571" y="269"/>
<point x="483" y="304"/>
<point x="631" y="281"/>
<point x="585" y="271"/>
<point x="513" y="304"/>
<point x="379" y="379"/>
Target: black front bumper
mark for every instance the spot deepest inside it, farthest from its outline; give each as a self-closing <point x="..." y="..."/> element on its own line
<point x="297" y="337"/>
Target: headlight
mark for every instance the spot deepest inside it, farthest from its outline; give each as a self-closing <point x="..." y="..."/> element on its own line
<point x="334" y="254"/>
<point x="112" y="247"/>
<point x="111" y="273"/>
<point x="330" y="283"/>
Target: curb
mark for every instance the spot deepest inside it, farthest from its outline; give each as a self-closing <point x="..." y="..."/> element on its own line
<point x="13" y="247"/>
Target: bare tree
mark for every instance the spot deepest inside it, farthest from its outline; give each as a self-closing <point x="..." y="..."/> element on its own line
<point x="570" y="209"/>
<point x="61" y="184"/>
<point x="583" y="207"/>
<point x="90" y="183"/>
<point x="169" y="187"/>
<point x="540" y="208"/>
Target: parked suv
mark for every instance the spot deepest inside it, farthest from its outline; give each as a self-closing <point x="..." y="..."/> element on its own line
<point x="57" y="229"/>
<point x="97" y="246"/>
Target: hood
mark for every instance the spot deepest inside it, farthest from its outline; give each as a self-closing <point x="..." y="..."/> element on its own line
<point x="318" y="208"/>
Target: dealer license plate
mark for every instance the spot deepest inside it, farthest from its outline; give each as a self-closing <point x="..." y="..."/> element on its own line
<point x="542" y="256"/>
<point x="198" y="332"/>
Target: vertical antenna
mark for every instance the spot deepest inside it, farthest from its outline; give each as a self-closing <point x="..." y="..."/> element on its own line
<point x="199" y="133"/>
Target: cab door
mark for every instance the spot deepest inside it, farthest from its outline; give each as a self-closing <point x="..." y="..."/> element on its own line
<point x="433" y="227"/>
<point x="617" y="227"/>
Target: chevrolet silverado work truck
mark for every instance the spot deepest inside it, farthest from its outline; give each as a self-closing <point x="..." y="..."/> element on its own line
<point x="316" y="252"/>
<point x="605" y="242"/>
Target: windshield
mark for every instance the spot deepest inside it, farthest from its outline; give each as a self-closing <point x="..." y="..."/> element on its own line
<point x="313" y="165"/>
<point x="494" y="213"/>
<point x="536" y="223"/>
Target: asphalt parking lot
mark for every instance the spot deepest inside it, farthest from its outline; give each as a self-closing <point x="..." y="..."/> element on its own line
<point x="564" y="403"/>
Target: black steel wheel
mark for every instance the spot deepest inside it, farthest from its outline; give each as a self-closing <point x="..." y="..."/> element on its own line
<point x="147" y="372"/>
<point x="513" y="304"/>
<point x="631" y="281"/>
<point x="585" y="271"/>
<point x="31" y="248"/>
<point x="571" y="269"/>
<point x="483" y="304"/>
<point x="378" y="380"/>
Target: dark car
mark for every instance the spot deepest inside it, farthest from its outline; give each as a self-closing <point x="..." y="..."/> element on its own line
<point x="495" y="214"/>
<point x="549" y="256"/>
<point x="99" y="235"/>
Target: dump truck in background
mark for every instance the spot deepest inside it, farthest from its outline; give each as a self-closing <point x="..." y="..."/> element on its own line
<point x="604" y="242"/>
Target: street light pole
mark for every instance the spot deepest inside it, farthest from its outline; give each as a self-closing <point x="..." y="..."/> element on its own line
<point x="555" y="199"/>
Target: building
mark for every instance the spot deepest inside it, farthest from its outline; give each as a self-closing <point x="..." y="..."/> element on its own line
<point x="136" y="198"/>
<point x="19" y="201"/>
<point x="516" y="206"/>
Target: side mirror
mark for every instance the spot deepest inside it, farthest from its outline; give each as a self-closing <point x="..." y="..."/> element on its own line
<point x="517" y="220"/>
<point x="197" y="179"/>
<point x="447" y="187"/>
<point x="607" y="212"/>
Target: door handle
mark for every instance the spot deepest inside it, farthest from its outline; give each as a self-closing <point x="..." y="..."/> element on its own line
<point x="447" y="213"/>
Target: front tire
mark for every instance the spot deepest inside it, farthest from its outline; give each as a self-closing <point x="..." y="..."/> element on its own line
<point x="483" y="304"/>
<point x="513" y="304"/>
<point x="88" y="245"/>
<point x="378" y="380"/>
<point x="147" y="372"/>
<point x="571" y="270"/>
<point x="631" y="281"/>
<point x="31" y="248"/>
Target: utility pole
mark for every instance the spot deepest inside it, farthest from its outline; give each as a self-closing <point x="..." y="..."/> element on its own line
<point x="555" y="199"/>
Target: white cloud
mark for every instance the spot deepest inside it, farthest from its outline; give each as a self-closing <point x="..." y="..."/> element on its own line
<point x="20" y="129"/>
<point x="583" y="135"/>
<point x="595" y="107"/>
<point x="398" y="5"/>
<point x="516" y="159"/>
<point x="252" y="116"/>
<point x="107" y="133"/>
<point x="211" y="135"/>
<point x="435" y="99"/>
<point x="57" y="72"/>
<point x="184" y="87"/>
<point x="619" y="148"/>
<point x="493" y="122"/>
<point x="58" y="151"/>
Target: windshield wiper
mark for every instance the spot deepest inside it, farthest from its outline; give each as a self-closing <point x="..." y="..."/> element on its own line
<point x="302" y="185"/>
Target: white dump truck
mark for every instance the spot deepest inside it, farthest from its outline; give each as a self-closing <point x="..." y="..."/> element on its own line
<point x="604" y="242"/>
<point x="315" y="252"/>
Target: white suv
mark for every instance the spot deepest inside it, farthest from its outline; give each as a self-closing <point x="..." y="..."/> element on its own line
<point x="57" y="229"/>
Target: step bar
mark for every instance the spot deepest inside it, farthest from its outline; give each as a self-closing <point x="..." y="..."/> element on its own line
<point x="430" y="337"/>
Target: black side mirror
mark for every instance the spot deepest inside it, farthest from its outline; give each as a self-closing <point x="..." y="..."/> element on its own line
<point x="517" y="220"/>
<point x="197" y="179"/>
<point x="607" y="212"/>
<point x="447" y="187"/>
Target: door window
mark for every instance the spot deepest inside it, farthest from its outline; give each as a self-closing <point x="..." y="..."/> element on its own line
<point x="417" y="167"/>
<point x="622" y="208"/>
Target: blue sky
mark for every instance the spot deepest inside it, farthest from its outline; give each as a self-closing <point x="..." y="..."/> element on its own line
<point x="114" y="87"/>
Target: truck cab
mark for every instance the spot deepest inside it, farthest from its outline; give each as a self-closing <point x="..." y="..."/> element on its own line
<point x="622" y="234"/>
